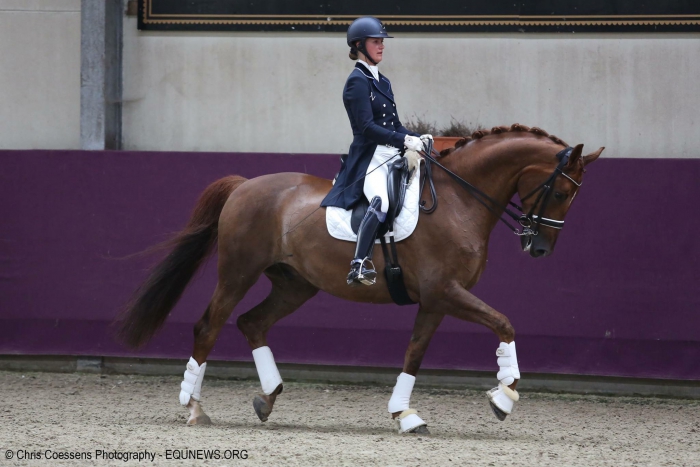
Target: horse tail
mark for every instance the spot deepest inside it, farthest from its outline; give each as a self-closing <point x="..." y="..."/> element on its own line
<point x="155" y="298"/>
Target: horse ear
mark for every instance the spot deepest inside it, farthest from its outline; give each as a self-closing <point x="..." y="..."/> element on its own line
<point x="575" y="155"/>
<point x="592" y="156"/>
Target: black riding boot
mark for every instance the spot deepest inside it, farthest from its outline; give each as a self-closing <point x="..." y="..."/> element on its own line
<point x="361" y="268"/>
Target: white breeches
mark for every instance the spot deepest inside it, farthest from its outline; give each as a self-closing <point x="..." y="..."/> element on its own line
<point x="375" y="181"/>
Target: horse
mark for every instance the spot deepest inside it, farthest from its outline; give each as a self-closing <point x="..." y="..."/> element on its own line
<point x="273" y="225"/>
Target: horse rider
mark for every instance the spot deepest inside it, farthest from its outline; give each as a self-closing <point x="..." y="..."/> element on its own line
<point x="378" y="136"/>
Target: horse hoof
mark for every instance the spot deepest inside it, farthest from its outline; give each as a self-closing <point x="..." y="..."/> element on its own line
<point x="501" y="415"/>
<point x="420" y="430"/>
<point x="262" y="409"/>
<point x="200" y="420"/>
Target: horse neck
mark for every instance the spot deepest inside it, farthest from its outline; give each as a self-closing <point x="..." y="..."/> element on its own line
<point x="494" y="167"/>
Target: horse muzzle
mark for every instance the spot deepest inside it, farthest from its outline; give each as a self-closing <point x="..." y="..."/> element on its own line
<point x="536" y="245"/>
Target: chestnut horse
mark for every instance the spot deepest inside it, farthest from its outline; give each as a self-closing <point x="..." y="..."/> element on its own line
<point x="273" y="225"/>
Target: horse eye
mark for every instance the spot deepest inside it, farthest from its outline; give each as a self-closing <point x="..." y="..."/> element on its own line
<point x="560" y="196"/>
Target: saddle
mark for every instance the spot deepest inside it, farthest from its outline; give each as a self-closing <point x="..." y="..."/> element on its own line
<point x="397" y="181"/>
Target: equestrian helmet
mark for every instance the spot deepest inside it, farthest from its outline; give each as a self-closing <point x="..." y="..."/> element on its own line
<point x="364" y="27"/>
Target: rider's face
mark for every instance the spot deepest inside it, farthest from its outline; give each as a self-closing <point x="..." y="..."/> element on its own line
<point x="375" y="48"/>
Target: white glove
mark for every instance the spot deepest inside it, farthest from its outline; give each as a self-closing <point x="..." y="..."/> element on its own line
<point x="413" y="143"/>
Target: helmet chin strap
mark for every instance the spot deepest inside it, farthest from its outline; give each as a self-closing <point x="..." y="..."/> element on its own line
<point x="361" y="47"/>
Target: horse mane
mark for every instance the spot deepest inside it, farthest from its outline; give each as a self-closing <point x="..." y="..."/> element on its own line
<point x="497" y="130"/>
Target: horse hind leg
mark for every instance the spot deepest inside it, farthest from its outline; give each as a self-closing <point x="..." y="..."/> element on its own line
<point x="289" y="291"/>
<point x="206" y="331"/>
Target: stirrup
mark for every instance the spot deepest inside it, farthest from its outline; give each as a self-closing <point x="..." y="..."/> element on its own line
<point x="365" y="276"/>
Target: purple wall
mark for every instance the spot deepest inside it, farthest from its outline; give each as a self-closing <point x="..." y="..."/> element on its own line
<point x="618" y="297"/>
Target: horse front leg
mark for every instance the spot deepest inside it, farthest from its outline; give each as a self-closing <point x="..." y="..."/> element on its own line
<point x="460" y="303"/>
<point x="399" y="404"/>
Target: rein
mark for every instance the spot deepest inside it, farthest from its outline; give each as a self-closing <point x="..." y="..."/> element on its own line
<point x="526" y="221"/>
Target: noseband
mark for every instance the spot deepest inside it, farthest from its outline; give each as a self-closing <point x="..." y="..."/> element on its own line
<point x="545" y="194"/>
<point x="530" y="223"/>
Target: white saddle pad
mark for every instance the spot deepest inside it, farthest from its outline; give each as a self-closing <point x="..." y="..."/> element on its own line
<point x="338" y="219"/>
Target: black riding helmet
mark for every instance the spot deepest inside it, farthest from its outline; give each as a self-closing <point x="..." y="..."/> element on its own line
<point x="361" y="29"/>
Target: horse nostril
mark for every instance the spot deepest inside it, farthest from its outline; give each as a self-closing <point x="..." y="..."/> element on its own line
<point x="541" y="252"/>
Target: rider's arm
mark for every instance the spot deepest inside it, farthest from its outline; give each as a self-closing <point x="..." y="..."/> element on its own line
<point x="402" y="129"/>
<point x="357" y="96"/>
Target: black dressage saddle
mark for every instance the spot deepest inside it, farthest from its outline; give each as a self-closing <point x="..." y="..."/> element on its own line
<point x="397" y="182"/>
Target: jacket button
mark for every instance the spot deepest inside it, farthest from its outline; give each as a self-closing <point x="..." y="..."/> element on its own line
<point x="383" y="115"/>
<point x="384" y="123"/>
<point x="384" y="105"/>
<point x="393" y="105"/>
<point x="394" y="115"/>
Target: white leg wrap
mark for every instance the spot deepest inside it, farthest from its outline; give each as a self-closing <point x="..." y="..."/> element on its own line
<point x="192" y="384"/>
<point x="401" y="396"/>
<point x="508" y="363"/>
<point x="503" y="397"/>
<point x="409" y="420"/>
<point x="267" y="370"/>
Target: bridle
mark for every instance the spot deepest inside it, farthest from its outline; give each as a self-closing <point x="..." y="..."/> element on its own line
<point x="529" y="223"/>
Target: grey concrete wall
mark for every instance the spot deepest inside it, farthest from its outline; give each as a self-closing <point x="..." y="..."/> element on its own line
<point x="272" y="92"/>
<point x="39" y="74"/>
<point x="638" y="95"/>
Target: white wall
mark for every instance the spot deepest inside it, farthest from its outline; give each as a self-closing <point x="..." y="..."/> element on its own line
<point x="638" y="95"/>
<point x="39" y="74"/>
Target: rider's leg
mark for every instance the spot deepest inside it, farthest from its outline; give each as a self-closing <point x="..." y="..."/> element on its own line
<point x="361" y="270"/>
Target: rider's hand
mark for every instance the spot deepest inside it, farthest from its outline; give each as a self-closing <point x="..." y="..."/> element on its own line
<point x="413" y="143"/>
<point x="425" y="138"/>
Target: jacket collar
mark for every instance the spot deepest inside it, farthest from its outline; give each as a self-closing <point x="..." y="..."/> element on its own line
<point x="374" y="70"/>
<point x="385" y="92"/>
<point x="365" y="71"/>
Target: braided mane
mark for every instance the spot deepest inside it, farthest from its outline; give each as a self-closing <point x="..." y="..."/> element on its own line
<point x="516" y="127"/>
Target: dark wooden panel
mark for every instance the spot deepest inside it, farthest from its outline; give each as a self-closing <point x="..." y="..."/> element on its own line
<point x="422" y="16"/>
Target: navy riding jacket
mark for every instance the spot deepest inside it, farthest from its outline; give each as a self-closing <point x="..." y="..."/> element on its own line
<point x="374" y="120"/>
